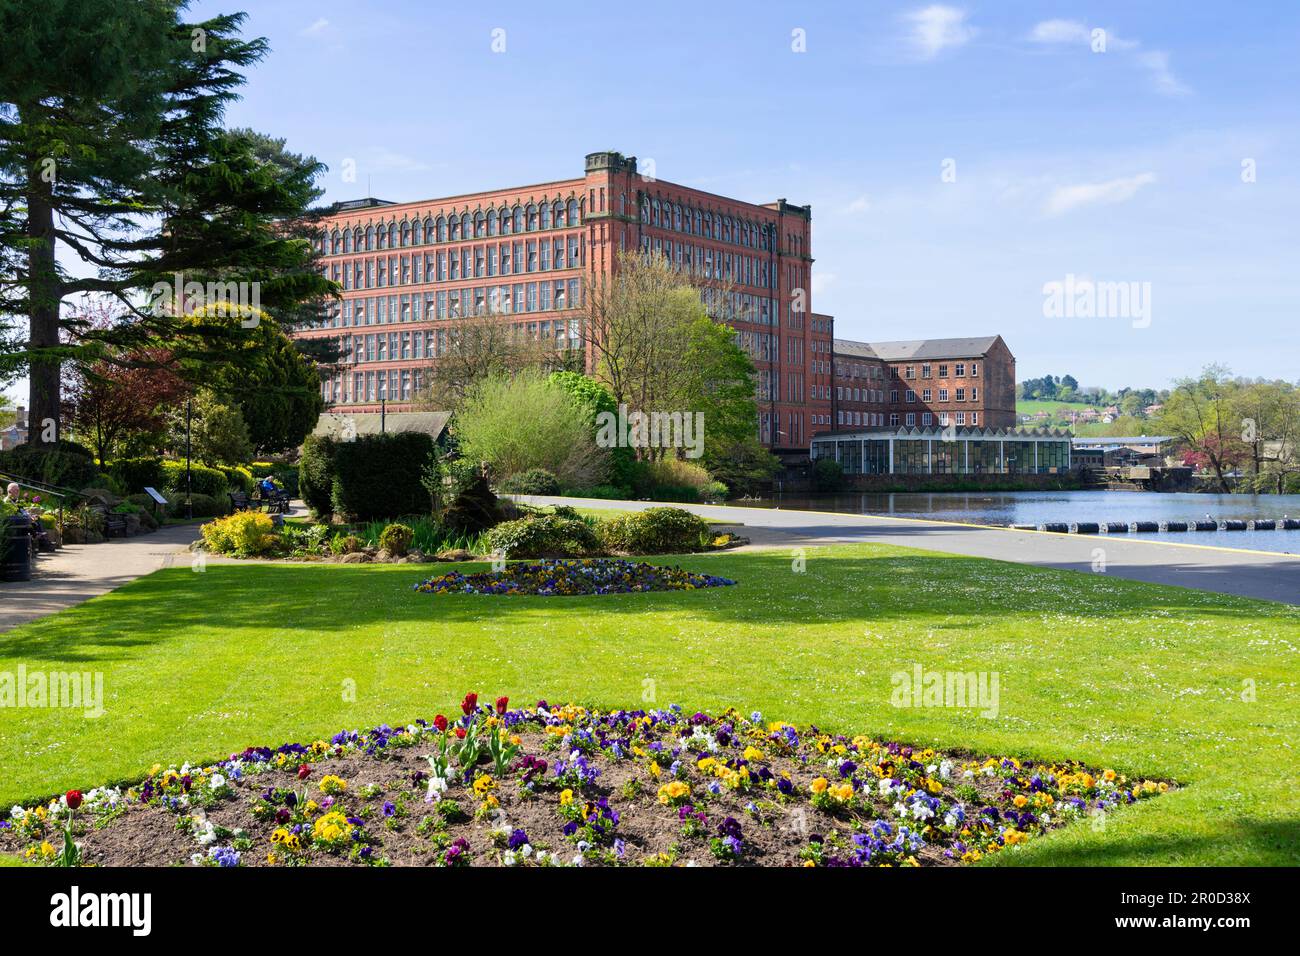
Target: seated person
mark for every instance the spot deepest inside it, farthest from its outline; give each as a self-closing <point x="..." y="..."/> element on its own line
<point x="13" y="494"/>
<point x="266" y="487"/>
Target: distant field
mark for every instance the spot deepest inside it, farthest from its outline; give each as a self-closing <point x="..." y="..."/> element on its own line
<point x="1034" y="406"/>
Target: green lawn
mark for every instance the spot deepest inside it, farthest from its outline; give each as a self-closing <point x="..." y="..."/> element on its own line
<point x="1141" y="678"/>
<point x="1032" y="406"/>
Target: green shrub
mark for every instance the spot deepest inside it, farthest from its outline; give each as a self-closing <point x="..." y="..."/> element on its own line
<point x="136" y="474"/>
<point x="654" y="531"/>
<point x="238" y="478"/>
<point x="381" y="476"/>
<point x="203" y="480"/>
<point x="715" y="491"/>
<point x="827" y="475"/>
<point x="66" y="465"/>
<point x="396" y="539"/>
<point x="534" y="481"/>
<point x="604" y="492"/>
<point x="243" y="534"/>
<point x="346" y="544"/>
<point x="204" y="506"/>
<point x="543" y="536"/>
<point x="316" y="474"/>
<point x="474" y="510"/>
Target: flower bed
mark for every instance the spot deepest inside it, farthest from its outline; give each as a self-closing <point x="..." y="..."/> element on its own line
<point x="570" y="786"/>
<point x="564" y="578"/>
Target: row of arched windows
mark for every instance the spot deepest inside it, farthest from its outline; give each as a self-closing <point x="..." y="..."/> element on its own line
<point x="697" y="222"/>
<point x="505" y="221"/>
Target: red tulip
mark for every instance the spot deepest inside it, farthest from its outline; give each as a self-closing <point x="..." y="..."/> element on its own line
<point x="460" y="733"/>
<point x="74" y="799"/>
<point x="304" y="771"/>
<point x="441" y="723"/>
<point x="470" y="703"/>
<point x="501" y="705"/>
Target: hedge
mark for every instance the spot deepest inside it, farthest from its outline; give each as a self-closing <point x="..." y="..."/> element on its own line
<point x="316" y="474"/>
<point x="66" y="465"/>
<point x="203" y="480"/>
<point x="378" y="476"/>
<point x="136" y="474"/>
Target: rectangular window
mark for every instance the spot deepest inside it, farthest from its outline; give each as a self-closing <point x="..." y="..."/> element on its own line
<point x="960" y="370"/>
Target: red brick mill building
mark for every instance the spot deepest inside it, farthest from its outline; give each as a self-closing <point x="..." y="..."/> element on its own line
<point x="410" y="271"/>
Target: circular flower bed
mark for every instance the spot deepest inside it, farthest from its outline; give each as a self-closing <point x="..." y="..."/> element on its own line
<point x="562" y="578"/>
<point x="563" y="786"/>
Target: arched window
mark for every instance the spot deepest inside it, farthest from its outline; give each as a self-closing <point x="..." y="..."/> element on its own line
<point x="546" y="215"/>
<point x="335" y="245"/>
<point x="392" y="235"/>
<point x="504" y="216"/>
<point x="677" y="218"/>
<point x="530" y="218"/>
<point x="557" y="210"/>
<point x="518" y="216"/>
<point x="406" y="233"/>
<point x="697" y="222"/>
<point x="464" y="225"/>
<point x="654" y="213"/>
<point x="370" y="238"/>
<point x="480" y="229"/>
<point x="441" y="229"/>
<point x="491" y="222"/>
<point x="417" y="232"/>
<point x="575" y="216"/>
<point x="453" y="227"/>
<point x="430" y="232"/>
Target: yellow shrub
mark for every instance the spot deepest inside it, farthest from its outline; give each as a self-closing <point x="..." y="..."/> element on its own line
<point x="243" y="534"/>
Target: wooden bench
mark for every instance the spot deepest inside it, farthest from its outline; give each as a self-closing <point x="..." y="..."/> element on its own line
<point x="114" y="524"/>
<point x="277" y="502"/>
<point x="239" y="501"/>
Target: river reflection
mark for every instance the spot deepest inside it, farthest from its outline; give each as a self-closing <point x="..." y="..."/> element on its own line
<point x="1038" y="507"/>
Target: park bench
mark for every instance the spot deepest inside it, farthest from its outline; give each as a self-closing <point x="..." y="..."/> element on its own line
<point x="239" y="501"/>
<point x="277" y="502"/>
<point x="114" y="524"/>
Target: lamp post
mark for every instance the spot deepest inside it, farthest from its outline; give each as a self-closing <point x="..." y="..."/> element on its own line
<point x="189" y="504"/>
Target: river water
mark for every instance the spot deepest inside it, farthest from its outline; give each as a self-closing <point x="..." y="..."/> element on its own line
<point x="1038" y="507"/>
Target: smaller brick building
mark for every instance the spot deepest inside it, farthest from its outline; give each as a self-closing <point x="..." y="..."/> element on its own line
<point x="924" y="383"/>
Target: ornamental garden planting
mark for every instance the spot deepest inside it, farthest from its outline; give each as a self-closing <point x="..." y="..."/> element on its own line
<point x="551" y="785"/>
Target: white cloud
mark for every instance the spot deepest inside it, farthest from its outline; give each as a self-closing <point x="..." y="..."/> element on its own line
<point x="1065" y="198"/>
<point x="383" y="159"/>
<point x="859" y="205"/>
<point x="317" y="28"/>
<point x="1156" y="62"/>
<point x="937" y="28"/>
<point x="1059" y="31"/>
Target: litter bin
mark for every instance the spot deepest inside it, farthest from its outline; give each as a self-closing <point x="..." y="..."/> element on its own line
<point x="16" y="549"/>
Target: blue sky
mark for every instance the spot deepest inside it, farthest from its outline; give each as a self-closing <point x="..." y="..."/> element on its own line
<point x="1122" y="165"/>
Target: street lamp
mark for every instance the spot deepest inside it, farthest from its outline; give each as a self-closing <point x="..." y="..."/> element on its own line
<point x="189" y="504"/>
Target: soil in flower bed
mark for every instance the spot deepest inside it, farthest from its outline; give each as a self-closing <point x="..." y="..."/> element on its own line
<point x="562" y="578"/>
<point x="568" y="786"/>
